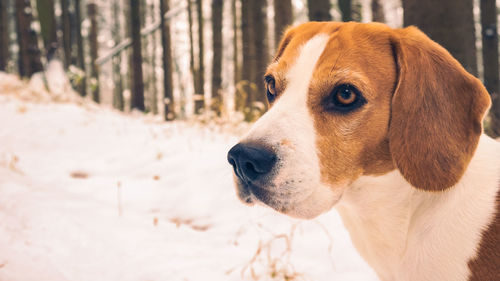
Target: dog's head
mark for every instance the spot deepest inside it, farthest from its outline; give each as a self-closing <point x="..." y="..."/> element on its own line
<point x="351" y="99"/>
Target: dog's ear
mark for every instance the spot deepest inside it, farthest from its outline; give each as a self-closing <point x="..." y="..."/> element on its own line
<point x="436" y="113"/>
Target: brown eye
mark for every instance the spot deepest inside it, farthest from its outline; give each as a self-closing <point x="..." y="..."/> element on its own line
<point x="344" y="98"/>
<point x="270" y="88"/>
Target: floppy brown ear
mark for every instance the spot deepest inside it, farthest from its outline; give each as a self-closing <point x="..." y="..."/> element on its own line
<point x="436" y="115"/>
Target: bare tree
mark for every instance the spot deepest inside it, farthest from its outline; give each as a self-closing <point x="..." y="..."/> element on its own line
<point x="94" y="72"/>
<point x="66" y="32"/>
<point x="80" y="60"/>
<point x="118" y="101"/>
<point x="377" y="11"/>
<point x="319" y="10"/>
<point x="239" y="96"/>
<point x="4" y="35"/>
<point x="29" y="54"/>
<point x="168" y="89"/>
<point x="490" y="59"/>
<point x="345" y="9"/>
<point x="283" y="17"/>
<point x="47" y="18"/>
<point x="199" y="103"/>
<point x="154" y="95"/>
<point x="137" y="81"/>
<point x="261" y="48"/>
<point x="216" y="102"/>
<point x="448" y="22"/>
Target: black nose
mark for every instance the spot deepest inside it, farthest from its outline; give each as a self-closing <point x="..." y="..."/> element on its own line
<point x="251" y="161"/>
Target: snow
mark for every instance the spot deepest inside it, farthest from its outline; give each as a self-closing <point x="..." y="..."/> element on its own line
<point x="88" y="193"/>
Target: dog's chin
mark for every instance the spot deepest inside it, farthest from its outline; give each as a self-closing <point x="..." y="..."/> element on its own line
<point x="308" y="206"/>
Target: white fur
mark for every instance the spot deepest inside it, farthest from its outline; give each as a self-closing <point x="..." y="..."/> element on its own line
<point x="297" y="177"/>
<point x="407" y="234"/>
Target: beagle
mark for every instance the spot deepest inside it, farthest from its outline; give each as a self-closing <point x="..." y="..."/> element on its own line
<point x="385" y="125"/>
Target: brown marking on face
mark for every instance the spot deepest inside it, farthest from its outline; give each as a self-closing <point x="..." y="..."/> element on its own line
<point x="289" y="49"/>
<point x="354" y="143"/>
<point x="423" y="112"/>
<point x="485" y="265"/>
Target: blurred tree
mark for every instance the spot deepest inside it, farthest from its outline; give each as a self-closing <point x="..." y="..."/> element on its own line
<point x="29" y="53"/>
<point x="449" y="23"/>
<point x="154" y="94"/>
<point x="283" y="17"/>
<point x="4" y="35"/>
<point x="356" y="10"/>
<point x="80" y="60"/>
<point x="118" y="101"/>
<point x="168" y="89"/>
<point x="350" y="10"/>
<point x="137" y="101"/>
<point x="48" y="25"/>
<point x="192" y="66"/>
<point x="199" y="102"/>
<point x="490" y="60"/>
<point x="377" y="11"/>
<point x="345" y="9"/>
<point x="66" y="32"/>
<point x="239" y="95"/>
<point x="216" y="101"/>
<point x="319" y="10"/>
<point x="249" y="71"/>
<point x="94" y="71"/>
<point x="259" y="11"/>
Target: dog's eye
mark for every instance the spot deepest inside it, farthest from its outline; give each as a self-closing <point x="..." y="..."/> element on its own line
<point x="270" y="88"/>
<point x="344" y="98"/>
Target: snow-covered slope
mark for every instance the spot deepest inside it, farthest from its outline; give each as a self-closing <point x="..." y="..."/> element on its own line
<point x="92" y="194"/>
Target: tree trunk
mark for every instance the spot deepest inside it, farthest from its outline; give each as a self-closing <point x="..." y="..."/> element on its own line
<point x="48" y="26"/>
<point x="29" y="54"/>
<point x="137" y="81"/>
<point x="216" y="101"/>
<point x="449" y="23"/>
<point x="239" y="98"/>
<point x="80" y="60"/>
<point x="66" y="32"/>
<point x="168" y="89"/>
<point x="4" y="35"/>
<point x="249" y="71"/>
<point x="199" y="103"/>
<point x="94" y="72"/>
<point x="490" y="60"/>
<point x="345" y="9"/>
<point x="118" y="101"/>
<point x="146" y="60"/>
<point x="154" y="94"/>
<point x="319" y="10"/>
<point x="377" y="11"/>
<point x="283" y="17"/>
<point x="261" y="50"/>
<point x="192" y="66"/>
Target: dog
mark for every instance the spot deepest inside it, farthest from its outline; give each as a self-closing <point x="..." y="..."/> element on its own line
<point x="385" y="125"/>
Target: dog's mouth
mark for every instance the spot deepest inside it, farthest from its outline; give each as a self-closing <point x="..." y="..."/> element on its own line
<point x="251" y="193"/>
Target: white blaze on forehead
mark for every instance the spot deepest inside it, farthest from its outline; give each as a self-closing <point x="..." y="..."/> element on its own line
<point x="290" y="121"/>
<point x="293" y="101"/>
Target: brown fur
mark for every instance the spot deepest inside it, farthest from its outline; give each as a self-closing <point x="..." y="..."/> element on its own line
<point x="423" y="113"/>
<point x="484" y="267"/>
<point x="437" y="113"/>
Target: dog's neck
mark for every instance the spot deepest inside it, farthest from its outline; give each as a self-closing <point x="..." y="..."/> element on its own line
<point x="408" y="234"/>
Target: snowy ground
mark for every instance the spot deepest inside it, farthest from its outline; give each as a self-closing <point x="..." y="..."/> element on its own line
<point x="92" y="194"/>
